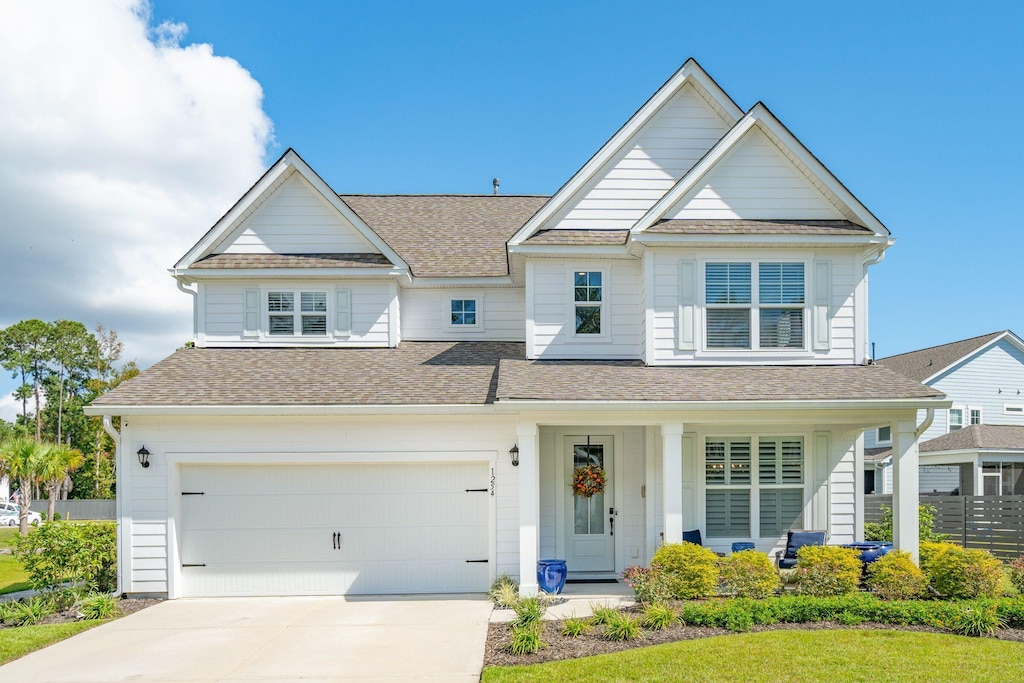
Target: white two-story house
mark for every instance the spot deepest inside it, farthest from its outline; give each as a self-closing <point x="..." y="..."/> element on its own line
<point x="391" y="394"/>
<point x="976" y="446"/>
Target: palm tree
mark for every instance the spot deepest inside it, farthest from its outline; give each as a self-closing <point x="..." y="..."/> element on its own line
<point x="52" y="466"/>
<point x="19" y="455"/>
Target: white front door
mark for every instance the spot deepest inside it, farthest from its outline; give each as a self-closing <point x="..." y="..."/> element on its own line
<point x="589" y="522"/>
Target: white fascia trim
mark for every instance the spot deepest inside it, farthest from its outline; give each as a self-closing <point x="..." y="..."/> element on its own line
<point x="459" y="282"/>
<point x="731" y="406"/>
<point x="292" y="410"/>
<point x="197" y="274"/>
<point x="690" y="71"/>
<point x="606" y="250"/>
<point x="759" y="115"/>
<point x="289" y="160"/>
<point x="661" y="239"/>
<point x="1009" y="336"/>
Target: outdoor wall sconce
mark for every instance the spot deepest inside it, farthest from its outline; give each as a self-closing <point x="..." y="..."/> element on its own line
<point x="143" y="457"/>
<point x="514" y="452"/>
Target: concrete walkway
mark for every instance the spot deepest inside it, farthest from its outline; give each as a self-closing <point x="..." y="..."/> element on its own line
<point x="434" y="638"/>
<point x="578" y="600"/>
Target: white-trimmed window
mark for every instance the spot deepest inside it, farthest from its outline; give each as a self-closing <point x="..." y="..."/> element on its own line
<point x="753" y="494"/>
<point x="975" y="416"/>
<point x="883" y="435"/>
<point x="962" y="416"/>
<point x="956" y="419"/>
<point x="1013" y="409"/>
<point x="297" y="313"/>
<point x="464" y="312"/>
<point x="755" y="305"/>
<point x="588" y="302"/>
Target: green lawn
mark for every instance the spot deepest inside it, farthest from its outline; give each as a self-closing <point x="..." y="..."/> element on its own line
<point x="18" y="642"/>
<point x="870" y="656"/>
<point x="12" y="576"/>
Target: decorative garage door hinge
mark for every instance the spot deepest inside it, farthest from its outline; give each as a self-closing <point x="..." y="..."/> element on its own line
<point x="193" y="493"/>
<point x="193" y="565"/>
<point x="476" y="561"/>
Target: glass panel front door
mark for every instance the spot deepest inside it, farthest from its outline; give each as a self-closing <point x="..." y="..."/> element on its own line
<point x="589" y="529"/>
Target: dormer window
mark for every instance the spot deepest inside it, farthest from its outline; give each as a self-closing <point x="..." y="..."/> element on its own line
<point x="464" y="312"/>
<point x="309" y="319"/>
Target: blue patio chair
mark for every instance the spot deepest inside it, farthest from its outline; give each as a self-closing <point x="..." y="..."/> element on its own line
<point x="692" y="537"/>
<point x="786" y="559"/>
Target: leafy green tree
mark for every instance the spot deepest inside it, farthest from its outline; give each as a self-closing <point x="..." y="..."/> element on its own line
<point x="19" y="456"/>
<point x="24" y="350"/>
<point x="71" y="349"/>
<point x="53" y="465"/>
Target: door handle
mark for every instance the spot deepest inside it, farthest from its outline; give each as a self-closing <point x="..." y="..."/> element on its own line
<point x="336" y="540"/>
<point x="611" y="523"/>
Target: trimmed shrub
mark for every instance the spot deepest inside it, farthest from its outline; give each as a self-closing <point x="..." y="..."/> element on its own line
<point x="648" y="585"/>
<point x="1016" y="569"/>
<point x="824" y="570"/>
<point x="894" y="576"/>
<point x="59" y="553"/>
<point x="748" y="574"/>
<point x="688" y="570"/>
<point x="961" y="574"/>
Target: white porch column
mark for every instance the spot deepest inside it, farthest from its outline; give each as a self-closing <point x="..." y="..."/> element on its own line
<point x="529" y="507"/>
<point x="672" y="480"/>
<point x="905" y="474"/>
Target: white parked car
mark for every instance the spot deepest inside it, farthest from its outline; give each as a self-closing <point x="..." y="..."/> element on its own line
<point x="10" y="515"/>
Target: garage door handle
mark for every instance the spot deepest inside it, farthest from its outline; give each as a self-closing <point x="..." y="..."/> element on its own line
<point x="475" y="561"/>
<point x="336" y="540"/>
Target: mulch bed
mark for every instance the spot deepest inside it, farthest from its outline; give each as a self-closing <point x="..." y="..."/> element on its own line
<point x="560" y="647"/>
<point x="128" y="606"/>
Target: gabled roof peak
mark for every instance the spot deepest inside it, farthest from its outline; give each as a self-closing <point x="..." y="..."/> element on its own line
<point x="924" y="364"/>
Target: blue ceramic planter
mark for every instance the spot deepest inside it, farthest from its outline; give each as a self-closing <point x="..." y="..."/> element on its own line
<point x="551" y="576"/>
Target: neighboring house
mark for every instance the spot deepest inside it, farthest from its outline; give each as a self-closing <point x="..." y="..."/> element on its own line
<point x="389" y="394"/>
<point x="977" y="445"/>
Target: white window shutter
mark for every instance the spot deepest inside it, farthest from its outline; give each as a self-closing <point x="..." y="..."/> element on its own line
<point x="687" y="305"/>
<point x="822" y="295"/>
<point x="343" y="313"/>
<point x="252" y="313"/>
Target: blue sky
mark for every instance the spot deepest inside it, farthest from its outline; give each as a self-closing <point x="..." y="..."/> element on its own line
<point x="910" y="104"/>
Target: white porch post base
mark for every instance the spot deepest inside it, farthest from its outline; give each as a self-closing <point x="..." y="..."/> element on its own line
<point x="905" y="494"/>
<point x="672" y="480"/>
<point x="529" y="508"/>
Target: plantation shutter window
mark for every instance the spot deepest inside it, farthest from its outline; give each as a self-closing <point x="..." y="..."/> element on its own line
<point x="780" y="471"/>
<point x="295" y="313"/>
<point x="281" y="306"/>
<point x="727" y="465"/>
<point x="757" y="306"/>
<point x="727" y="290"/>
<point x="314" y="313"/>
<point x="781" y="301"/>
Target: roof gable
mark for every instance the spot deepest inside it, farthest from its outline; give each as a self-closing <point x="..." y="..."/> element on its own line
<point x="926" y="364"/>
<point x="744" y="167"/>
<point x="290" y="210"/>
<point x="649" y="153"/>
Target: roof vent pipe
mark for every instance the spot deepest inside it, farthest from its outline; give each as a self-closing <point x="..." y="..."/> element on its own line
<point x="496" y="183"/>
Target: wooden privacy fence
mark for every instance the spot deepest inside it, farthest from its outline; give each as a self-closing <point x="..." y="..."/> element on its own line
<point x="993" y="523"/>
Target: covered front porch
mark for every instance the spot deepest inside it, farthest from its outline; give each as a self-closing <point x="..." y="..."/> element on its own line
<point x="736" y="475"/>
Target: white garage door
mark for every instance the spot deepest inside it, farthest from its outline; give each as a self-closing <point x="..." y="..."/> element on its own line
<point x="333" y="529"/>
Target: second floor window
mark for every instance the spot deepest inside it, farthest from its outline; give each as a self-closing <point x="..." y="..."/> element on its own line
<point x="588" y="298"/>
<point x="464" y="312"/>
<point x="754" y="308"/>
<point x="297" y="313"/>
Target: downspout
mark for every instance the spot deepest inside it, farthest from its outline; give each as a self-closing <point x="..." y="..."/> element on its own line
<point x="195" y="309"/>
<point x="928" y="419"/>
<point x="108" y="427"/>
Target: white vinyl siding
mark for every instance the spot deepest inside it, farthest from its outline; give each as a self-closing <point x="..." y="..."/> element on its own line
<point x="227" y="312"/>
<point x="426" y="314"/>
<point x="670" y="306"/>
<point x="756" y="181"/>
<point x="554" y="310"/>
<point x="658" y="156"/>
<point x="295" y="219"/>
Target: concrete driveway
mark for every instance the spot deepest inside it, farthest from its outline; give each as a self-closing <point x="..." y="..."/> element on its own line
<point x="274" y="639"/>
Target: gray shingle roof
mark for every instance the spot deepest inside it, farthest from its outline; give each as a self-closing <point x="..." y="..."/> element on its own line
<point x="447" y="235"/>
<point x="920" y="365"/>
<point x="677" y="226"/>
<point x="587" y="237"/>
<point x="426" y="373"/>
<point x="978" y="437"/>
<point x="245" y="261"/>
<point x="877" y="454"/>
<point x="633" y="381"/>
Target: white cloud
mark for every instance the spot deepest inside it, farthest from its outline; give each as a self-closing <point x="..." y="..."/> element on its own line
<point x="119" y="147"/>
<point x="10" y="408"/>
